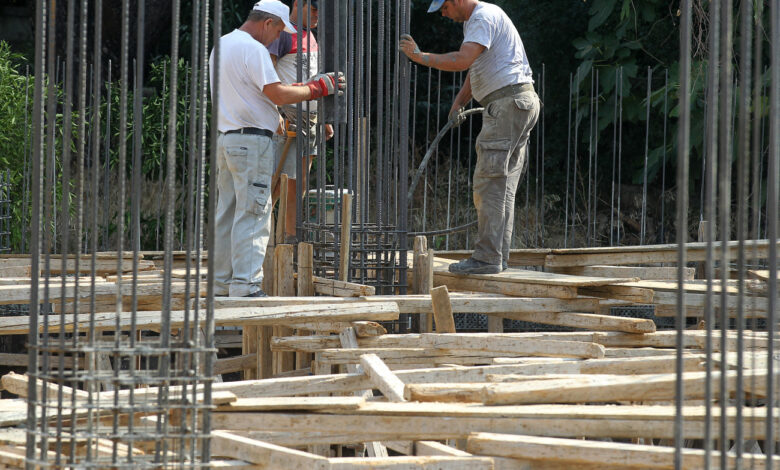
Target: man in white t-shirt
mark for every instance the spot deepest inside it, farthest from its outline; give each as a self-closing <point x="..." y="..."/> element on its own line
<point x="249" y="93"/>
<point x="500" y="79"/>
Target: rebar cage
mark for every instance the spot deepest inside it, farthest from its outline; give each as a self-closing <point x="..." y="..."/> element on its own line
<point x="140" y="396"/>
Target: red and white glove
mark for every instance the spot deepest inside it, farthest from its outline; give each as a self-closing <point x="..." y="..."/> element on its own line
<point x="326" y="84"/>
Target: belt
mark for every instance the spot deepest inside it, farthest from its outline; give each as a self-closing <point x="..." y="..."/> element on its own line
<point x="251" y="131"/>
<point x="509" y="90"/>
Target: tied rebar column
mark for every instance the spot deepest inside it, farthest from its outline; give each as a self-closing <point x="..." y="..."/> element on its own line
<point x="107" y="379"/>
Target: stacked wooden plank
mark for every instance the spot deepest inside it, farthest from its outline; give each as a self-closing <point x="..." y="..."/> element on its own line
<point x="325" y="386"/>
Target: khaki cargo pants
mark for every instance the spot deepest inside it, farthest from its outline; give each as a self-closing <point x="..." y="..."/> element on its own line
<point x="502" y="153"/>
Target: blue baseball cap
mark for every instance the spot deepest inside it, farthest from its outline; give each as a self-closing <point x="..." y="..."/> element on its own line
<point x="435" y="5"/>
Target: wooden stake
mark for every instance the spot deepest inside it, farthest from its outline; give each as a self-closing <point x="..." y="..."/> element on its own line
<point x="442" y="310"/>
<point x="346" y="236"/>
<point x="285" y="287"/>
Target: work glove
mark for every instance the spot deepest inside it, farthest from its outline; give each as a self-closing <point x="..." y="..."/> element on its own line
<point x="326" y="84"/>
<point x="408" y="46"/>
<point x="457" y="117"/>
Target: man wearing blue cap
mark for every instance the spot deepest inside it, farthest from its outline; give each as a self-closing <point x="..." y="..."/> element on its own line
<point x="500" y="79"/>
<point x="249" y="93"/>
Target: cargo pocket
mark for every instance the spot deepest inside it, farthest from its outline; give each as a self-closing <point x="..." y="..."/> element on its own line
<point x="526" y="101"/>
<point x="492" y="157"/>
<point x="258" y="193"/>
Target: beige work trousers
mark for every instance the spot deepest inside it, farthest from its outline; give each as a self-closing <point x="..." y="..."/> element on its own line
<point x="502" y="154"/>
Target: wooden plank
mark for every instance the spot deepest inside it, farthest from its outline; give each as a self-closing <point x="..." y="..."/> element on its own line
<point x="382" y="378"/>
<point x="517" y="257"/>
<point x="643" y="273"/>
<point x="21" y="294"/>
<point x="412" y="463"/>
<point x="620" y="292"/>
<point x="509" y="345"/>
<point x="293" y="404"/>
<point x="436" y="421"/>
<point x="460" y="282"/>
<point x="287" y="315"/>
<point x="645" y="254"/>
<point x="666" y="305"/>
<point x="442" y="310"/>
<point x="266" y="455"/>
<point x="576" y="452"/>
<point x="415" y="304"/>
<point x="523" y="276"/>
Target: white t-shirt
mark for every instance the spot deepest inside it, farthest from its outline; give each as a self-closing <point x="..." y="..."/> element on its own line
<point x="245" y="69"/>
<point x="503" y="62"/>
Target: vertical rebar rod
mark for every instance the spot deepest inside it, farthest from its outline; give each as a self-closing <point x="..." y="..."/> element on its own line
<point x="771" y="216"/>
<point x="643" y="229"/>
<point x="35" y="230"/>
<point x="683" y="153"/>
<point x="568" y="160"/>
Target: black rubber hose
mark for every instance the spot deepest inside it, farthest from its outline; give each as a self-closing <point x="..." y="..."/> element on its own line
<point x="432" y="147"/>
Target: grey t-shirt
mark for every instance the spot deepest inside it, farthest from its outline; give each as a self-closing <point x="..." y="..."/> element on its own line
<point x="503" y="62"/>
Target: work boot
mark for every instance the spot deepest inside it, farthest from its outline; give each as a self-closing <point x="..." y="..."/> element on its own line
<point x="257" y="293"/>
<point x="473" y="266"/>
<point x="504" y="266"/>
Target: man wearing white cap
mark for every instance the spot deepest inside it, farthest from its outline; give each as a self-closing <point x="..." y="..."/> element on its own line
<point x="500" y="79"/>
<point x="249" y="93"/>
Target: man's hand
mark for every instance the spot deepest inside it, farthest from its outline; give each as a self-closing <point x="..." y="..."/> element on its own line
<point x="328" y="132"/>
<point x="456" y="116"/>
<point x="326" y="84"/>
<point x="408" y="46"/>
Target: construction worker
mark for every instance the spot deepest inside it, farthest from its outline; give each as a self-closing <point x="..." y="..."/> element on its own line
<point x="249" y="93"/>
<point x="500" y="79"/>
<point x="284" y="54"/>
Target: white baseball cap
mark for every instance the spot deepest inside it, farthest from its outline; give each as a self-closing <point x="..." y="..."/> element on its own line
<point x="276" y="8"/>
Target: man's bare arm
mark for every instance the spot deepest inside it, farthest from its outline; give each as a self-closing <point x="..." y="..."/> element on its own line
<point x="286" y="94"/>
<point x="450" y="62"/>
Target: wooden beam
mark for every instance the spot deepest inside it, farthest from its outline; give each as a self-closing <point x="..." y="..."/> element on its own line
<point x="436" y="421"/>
<point x="266" y="455"/>
<point x="382" y="378"/>
<point x="411" y="462"/>
<point x="588" y="321"/>
<point x="338" y="288"/>
<point x="645" y="254"/>
<point x="285" y="287"/>
<point x="585" y="389"/>
<point x="349" y="341"/>
<point x="644" y="273"/>
<point x="576" y="452"/>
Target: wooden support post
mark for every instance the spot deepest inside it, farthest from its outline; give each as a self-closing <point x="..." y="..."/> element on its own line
<point x="282" y="214"/>
<point x="268" y="262"/>
<point x="305" y="270"/>
<point x="285" y="287"/>
<point x="249" y="346"/>
<point x="265" y="363"/>
<point x="442" y="310"/>
<point x="420" y="249"/>
<point x="305" y="289"/>
<point x="346" y="236"/>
